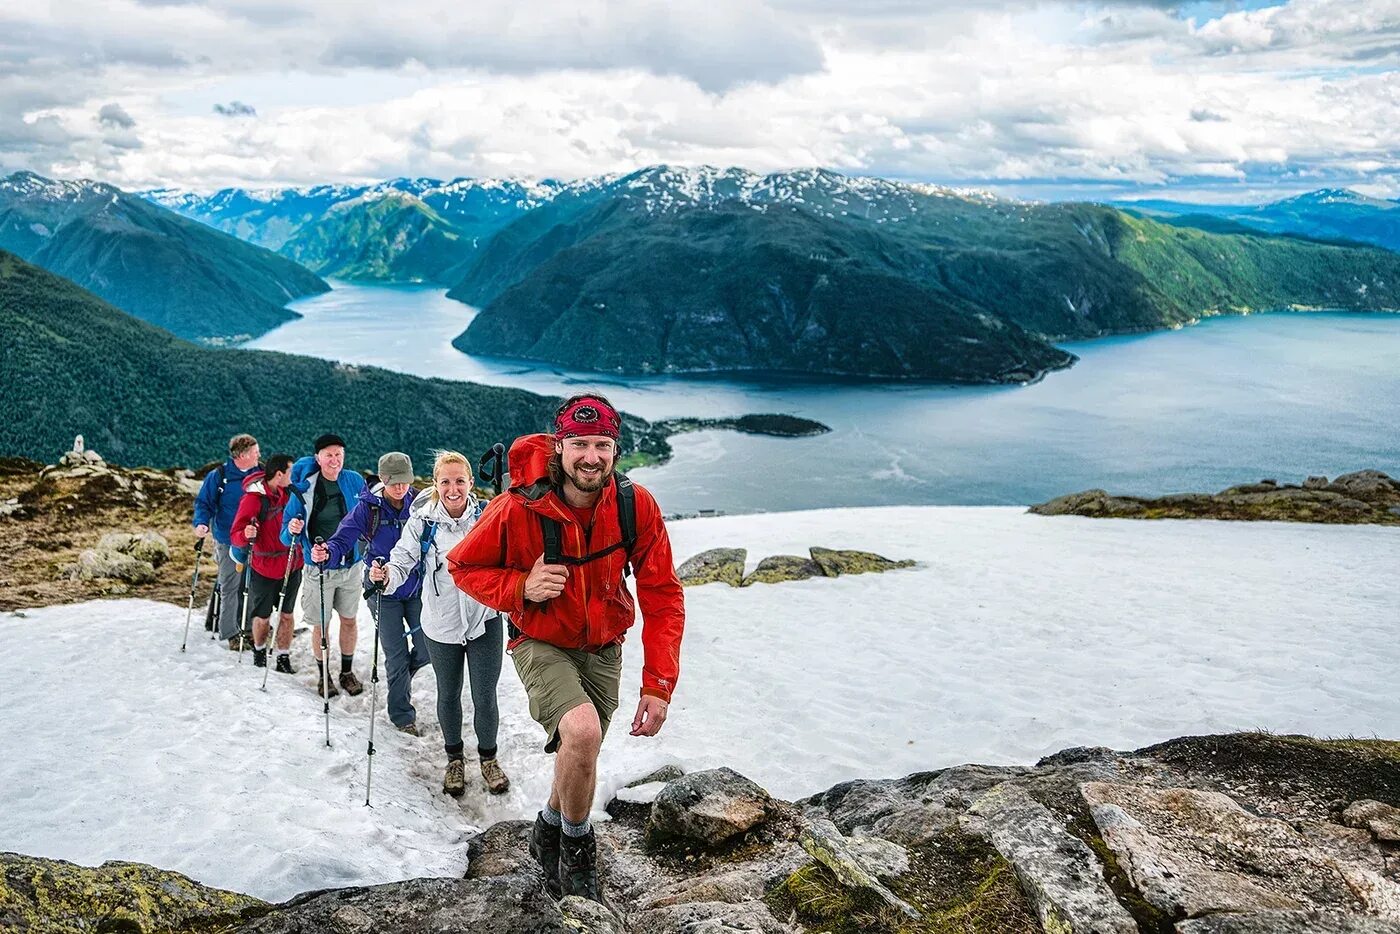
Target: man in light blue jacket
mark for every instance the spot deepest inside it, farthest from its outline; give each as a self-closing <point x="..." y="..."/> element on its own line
<point x="323" y="493"/>
<point x="214" y="509"/>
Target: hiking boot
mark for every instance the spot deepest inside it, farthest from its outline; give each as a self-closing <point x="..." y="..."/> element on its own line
<point x="284" y="665"/>
<point x="322" y="683"/>
<point x="578" y="865"/>
<point x="496" y="781"/>
<point x="544" y="846"/>
<point x="454" y="783"/>
<point x="351" y="683"/>
<point x="238" y="644"/>
<point x="259" y="658"/>
<point x="410" y="728"/>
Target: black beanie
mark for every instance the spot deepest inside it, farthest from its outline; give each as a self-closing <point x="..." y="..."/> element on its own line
<point x="328" y="440"/>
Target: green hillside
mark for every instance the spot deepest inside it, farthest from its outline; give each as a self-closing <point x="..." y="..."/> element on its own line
<point x="72" y="364"/>
<point x="395" y="238"/>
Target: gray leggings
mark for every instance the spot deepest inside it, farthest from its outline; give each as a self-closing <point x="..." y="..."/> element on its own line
<point x="482" y="657"/>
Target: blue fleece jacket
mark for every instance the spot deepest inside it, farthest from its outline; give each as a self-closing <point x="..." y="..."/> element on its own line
<point x="216" y="509"/>
<point x="355" y="527"/>
<point x="304" y="476"/>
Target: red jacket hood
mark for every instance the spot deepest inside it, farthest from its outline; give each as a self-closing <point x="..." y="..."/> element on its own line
<point x="529" y="459"/>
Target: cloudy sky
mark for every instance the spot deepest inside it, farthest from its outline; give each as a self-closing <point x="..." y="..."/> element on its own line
<point x="1216" y="101"/>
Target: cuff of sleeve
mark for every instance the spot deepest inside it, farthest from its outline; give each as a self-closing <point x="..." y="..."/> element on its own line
<point x="649" y="691"/>
<point x="519" y="608"/>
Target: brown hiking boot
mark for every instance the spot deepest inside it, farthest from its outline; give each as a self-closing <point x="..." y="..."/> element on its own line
<point x="454" y="782"/>
<point x="351" y="683"/>
<point x="496" y="781"/>
<point x="410" y="728"/>
<point x="322" y="683"/>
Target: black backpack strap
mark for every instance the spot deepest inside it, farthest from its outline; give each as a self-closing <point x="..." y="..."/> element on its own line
<point x="627" y="516"/>
<point x="553" y="540"/>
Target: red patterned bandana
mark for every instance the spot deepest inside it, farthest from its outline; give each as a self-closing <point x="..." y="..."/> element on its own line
<point x="588" y="417"/>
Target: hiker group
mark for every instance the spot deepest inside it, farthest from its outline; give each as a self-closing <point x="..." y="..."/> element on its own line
<point x="455" y="583"/>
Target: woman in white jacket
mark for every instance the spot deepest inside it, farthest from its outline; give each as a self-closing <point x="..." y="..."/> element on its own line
<point x="461" y="632"/>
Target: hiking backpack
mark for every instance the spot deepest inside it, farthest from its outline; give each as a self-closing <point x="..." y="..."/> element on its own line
<point x="626" y="520"/>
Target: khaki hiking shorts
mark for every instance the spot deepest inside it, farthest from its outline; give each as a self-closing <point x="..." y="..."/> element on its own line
<point x="558" y="680"/>
<point x="342" y="588"/>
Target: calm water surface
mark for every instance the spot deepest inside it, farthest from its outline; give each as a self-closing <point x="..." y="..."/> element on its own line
<point x="1277" y="395"/>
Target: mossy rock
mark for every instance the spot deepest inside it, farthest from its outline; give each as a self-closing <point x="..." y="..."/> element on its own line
<point x="49" y="896"/>
<point x="725" y="565"/>
<point x="778" y="568"/>
<point x="956" y="883"/>
<point x="834" y="563"/>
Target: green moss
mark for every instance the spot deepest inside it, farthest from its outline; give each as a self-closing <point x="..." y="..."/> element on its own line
<point x="56" y="897"/>
<point x="958" y="883"/>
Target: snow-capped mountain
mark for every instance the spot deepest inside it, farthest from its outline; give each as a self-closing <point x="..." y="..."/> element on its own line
<point x="147" y="260"/>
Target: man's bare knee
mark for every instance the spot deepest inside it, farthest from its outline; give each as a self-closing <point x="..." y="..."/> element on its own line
<point x="579" y="730"/>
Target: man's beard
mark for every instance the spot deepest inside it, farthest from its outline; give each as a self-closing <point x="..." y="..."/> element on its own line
<point x="583" y="485"/>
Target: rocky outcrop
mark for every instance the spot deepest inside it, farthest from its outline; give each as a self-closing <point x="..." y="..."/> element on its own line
<point x="1366" y="496"/>
<point x="1237" y="834"/>
<point x="53" y="896"/>
<point x="725" y="565"/>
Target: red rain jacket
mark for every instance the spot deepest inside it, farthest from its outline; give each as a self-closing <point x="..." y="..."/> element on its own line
<point x="596" y="608"/>
<point x="263" y="504"/>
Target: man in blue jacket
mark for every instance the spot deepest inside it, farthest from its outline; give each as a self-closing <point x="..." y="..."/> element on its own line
<point x="214" y="509"/>
<point x="378" y="520"/>
<point x="323" y="492"/>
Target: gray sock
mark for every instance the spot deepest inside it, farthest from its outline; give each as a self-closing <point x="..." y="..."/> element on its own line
<point x="576" y="830"/>
<point x="550" y="816"/>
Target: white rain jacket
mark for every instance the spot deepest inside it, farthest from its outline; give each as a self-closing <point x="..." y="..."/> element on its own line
<point x="449" y="615"/>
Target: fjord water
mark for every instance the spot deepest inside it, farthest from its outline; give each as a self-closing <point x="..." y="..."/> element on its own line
<point x="1231" y="399"/>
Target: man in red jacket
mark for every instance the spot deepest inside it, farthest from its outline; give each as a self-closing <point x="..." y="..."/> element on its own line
<point x="257" y="527"/>
<point x="569" y="615"/>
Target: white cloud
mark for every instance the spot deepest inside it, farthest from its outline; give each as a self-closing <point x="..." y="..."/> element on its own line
<point x="1029" y="98"/>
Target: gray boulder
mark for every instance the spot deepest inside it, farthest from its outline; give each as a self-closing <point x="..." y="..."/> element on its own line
<point x="96" y="565"/>
<point x="834" y="563"/>
<point x="708" y="808"/>
<point x="1366" y="484"/>
<point x="505" y="904"/>
<point x="778" y="568"/>
<point x="1192" y="852"/>
<point x="1059" y="874"/>
<point x="725" y="565"/>
<point x="1381" y="819"/>
<point x="859" y="862"/>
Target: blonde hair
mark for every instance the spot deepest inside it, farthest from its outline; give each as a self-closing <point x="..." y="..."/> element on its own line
<point x="442" y="459"/>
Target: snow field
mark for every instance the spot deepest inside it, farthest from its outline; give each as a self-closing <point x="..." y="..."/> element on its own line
<point x="1015" y="636"/>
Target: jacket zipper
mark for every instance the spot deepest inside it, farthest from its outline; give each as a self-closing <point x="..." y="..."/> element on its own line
<point x="587" y="633"/>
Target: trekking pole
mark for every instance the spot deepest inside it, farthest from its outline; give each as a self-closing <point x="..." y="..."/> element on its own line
<point x="216" y="606"/>
<point x="277" y="612"/>
<point x="325" y="648"/>
<point x="373" y="682"/>
<point x="244" y="586"/>
<point x="194" y="585"/>
<point x="495" y="473"/>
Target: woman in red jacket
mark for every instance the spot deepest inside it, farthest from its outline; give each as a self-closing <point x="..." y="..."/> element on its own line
<point x="570" y="615"/>
<point x="257" y="527"/>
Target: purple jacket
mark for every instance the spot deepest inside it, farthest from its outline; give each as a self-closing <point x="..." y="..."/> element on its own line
<point x="373" y="511"/>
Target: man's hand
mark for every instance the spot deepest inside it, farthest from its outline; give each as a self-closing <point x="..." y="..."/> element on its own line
<point x="319" y="553"/>
<point x="295" y="526"/>
<point x="651" y="716"/>
<point x="200" y="531"/>
<point x="250" y="531"/>
<point x="546" y="581"/>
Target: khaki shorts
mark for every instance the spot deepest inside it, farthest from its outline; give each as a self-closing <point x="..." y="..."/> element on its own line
<point x="558" y="680"/>
<point x="342" y="592"/>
